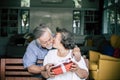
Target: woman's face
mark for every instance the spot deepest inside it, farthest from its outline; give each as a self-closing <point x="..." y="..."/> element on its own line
<point x="57" y="40"/>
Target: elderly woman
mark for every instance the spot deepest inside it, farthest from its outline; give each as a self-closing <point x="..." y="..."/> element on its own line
<point x="63" y="44"/>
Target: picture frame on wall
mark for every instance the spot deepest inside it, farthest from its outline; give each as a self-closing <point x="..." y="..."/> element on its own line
<point x="51" y="1"/>
<point x="25" y="3"/>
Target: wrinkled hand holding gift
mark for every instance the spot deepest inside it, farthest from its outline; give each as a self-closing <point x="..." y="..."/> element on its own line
<point x="62" y="67"/>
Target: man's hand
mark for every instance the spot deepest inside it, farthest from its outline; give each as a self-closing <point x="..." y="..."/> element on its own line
<point x="48" y="69"/>
<point x="76" y="53"/>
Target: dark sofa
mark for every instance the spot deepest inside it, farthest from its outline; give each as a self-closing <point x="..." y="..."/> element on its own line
<point x="15" y="46"/>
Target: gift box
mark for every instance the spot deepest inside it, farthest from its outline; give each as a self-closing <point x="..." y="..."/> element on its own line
<point x="62" y="67"/>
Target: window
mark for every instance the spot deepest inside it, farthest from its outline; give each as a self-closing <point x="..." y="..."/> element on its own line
<point x="86" y="22"/>
<point x="111" y="17"/>
<point x="76" y="22"/>
<point x="24" y="21"/>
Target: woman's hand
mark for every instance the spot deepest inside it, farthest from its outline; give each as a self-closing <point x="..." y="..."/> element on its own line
<point x="82" y="73"/>
<point x="74" y="67"/>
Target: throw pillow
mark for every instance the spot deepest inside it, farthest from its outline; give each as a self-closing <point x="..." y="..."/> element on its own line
<point x="117" y="53"/>
<point x="108" y="50"/>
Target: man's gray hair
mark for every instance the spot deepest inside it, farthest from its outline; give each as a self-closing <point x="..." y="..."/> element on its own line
<point x="40" y="30"/>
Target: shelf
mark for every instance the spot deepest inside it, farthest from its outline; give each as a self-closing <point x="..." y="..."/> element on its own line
<point x="90" y="19"/>
<point x="8" y="21"/>
<point x="4" y="16"/>
<point x="11" y="21"/>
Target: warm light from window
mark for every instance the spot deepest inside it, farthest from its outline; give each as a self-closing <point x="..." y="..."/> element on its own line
<point x="25" y="3"/>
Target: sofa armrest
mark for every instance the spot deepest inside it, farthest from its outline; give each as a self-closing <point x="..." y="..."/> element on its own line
<point x="106" y="57"/>
<point x="94" y="56"/>
<point x="109" y="70"/>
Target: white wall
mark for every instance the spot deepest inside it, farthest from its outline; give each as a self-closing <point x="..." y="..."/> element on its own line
<point x="53" y="17"/>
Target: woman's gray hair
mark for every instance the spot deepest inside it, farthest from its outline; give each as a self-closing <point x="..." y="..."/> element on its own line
<point x="40" y="30"/>
<point x="66" y="38"/>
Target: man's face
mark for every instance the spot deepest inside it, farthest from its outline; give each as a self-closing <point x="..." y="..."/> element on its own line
<point x="46" y="40"/>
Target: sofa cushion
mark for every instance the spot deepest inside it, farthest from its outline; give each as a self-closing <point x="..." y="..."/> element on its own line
<point x="93" y="65"/>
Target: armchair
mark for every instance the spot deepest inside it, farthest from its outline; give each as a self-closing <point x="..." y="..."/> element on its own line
<point x="103" y="67"/>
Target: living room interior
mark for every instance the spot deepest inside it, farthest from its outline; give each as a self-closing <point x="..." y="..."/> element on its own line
<point x="94" y="23"/>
